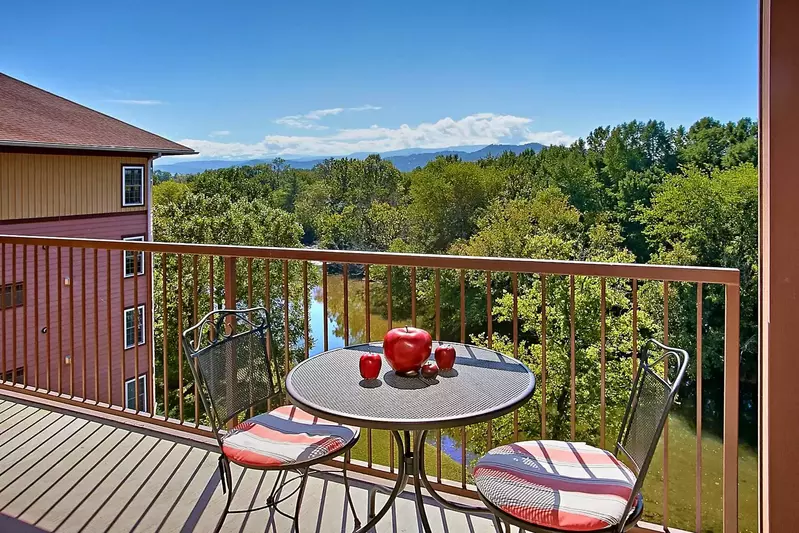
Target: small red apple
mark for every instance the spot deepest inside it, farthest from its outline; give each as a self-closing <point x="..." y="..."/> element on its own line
<point x="406" y="349"/>
<point x="429" y="370"/>
<point x="445" y="356"/>
<point x="369" y="365"/>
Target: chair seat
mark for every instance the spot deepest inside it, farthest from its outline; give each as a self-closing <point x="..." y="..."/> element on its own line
<point x="568" y="486"/>
<point x="283" y="437"/>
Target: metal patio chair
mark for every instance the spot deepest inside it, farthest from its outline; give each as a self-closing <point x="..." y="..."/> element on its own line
<point x="230" y="355"/>
<point x="552" y="486"/>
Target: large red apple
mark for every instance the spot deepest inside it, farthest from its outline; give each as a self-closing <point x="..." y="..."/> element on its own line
<point x="445" y="356"/>
<point x="369" y="365"/>
<point x="406" y="349"/>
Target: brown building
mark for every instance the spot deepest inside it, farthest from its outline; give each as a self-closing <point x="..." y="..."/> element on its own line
<point x="69" y="171"/>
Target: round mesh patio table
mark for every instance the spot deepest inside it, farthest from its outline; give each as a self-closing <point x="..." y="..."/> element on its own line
<point x="484" y="384"/>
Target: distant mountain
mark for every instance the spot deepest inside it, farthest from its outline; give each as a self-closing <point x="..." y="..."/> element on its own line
<point x="405" y="160"/>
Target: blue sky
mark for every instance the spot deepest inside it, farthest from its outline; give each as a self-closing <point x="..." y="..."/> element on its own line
<point x="256" y="79"/>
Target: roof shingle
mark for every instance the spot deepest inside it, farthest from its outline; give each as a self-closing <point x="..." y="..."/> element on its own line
<point x="32" y="117"/>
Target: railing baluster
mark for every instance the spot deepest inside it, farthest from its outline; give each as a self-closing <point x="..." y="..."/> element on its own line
<point x="14" y="329"/>
<point x="25" y="315"/>
<point x="438" y="304"/>
<point x="324" y="305"/>
<point x="699" y="322"/>
<point x="490" y="327"/>
<point x="71" y="323"/>
<point x="346" y="281"/>
<point x="666" y="425"/>
<point x="437" y="290"/>
<point x="195" y="317"/>
<point x="124" y="335"/>
<point x="83" y="319"/>
<point x="367" y="304"/>
<point x="3" y="308"/>
<point x="573" y="393"/>
<point x="463" y="306"/>
<point x="305" y="306"/>
<point x="286" y="337"/>
<point x="59" y="282"/>
<point x="250" y="318"/>
<point x="543" y="356"/>
<point x="389" y="310"/>
<point x="268" y="306"/>
<point x="36" y="317"/>
<point x="136" y="322"/>
<point x="96" y="307"/>
<point x="149" y="328"/>
<point x="48" y="343"/>
<point x="110" y="351"/>
<point x="180" y="325"/>
<point x="413" y="296"/>
<point x="515" y="288"/>
<point x="164" y="317"/>
<point x="602" y="362"/>
<point x="635" y="328"/>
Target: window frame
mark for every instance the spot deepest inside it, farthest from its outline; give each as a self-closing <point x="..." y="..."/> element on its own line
<point x="134" y="238"/>
<point x="142" y="392"/>
<point x="143" y="181"/>
<point x="142" y="318"/>
<point x="11" y="290"/>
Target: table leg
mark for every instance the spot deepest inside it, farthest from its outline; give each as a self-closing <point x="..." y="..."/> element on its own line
<point x="405" y="464"/>
<point x="420" y="471"/>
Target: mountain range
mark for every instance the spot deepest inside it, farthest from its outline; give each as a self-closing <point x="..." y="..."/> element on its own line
<point x="405" y="159"/>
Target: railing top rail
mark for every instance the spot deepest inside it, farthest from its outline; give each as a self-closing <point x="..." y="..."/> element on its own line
<point x="727" y="276"/>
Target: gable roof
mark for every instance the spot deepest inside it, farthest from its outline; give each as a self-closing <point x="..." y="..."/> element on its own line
<point x="34" y="118"/>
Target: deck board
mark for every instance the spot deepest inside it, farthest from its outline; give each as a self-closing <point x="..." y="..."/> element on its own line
<point x="65" y="473"/>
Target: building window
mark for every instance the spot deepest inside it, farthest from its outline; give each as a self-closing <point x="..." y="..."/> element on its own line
<point x="130" y="257"/>
<point x="12" y="295"/>
<point x="132" y="185"/>
<point x="17" y="376"/>
<point x="130" y="327"/>
<point x="130" y="393"/>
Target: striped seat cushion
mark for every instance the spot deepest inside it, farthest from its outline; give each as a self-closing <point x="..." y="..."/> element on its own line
<point x="286" y="435"/>
<point x="569" y="486"/>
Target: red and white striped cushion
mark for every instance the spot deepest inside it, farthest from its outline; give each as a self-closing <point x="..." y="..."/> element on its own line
<point x="285" y="436"/>
<point x="569" y="486"/>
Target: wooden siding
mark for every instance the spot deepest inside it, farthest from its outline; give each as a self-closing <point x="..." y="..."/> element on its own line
<point x="113" y="227"/>
<point x="49" y="185"/>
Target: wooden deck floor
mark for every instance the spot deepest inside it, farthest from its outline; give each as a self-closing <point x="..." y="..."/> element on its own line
<point x="68" y="473"/>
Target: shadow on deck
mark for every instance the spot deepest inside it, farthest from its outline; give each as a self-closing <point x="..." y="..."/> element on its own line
<point x="67" y="472"/>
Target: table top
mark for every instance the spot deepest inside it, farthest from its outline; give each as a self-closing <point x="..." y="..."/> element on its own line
<point x="484" y="384"/>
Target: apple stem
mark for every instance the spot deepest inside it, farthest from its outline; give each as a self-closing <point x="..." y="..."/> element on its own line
<point x="406" y="329"/>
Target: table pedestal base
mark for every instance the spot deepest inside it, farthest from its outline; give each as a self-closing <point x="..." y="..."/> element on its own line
<point x="412" y="464"/>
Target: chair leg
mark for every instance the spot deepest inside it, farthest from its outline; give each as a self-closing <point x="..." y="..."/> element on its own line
<point x="299" y="501"/>
<point x="227" y="487"/>
<point x="349" y="496"/>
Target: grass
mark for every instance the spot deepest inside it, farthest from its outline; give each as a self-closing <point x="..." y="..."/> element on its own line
<point x="682" y="482"/>
<point x="682" y="478"/>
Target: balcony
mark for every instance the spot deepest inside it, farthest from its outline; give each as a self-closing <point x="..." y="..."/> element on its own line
<point x="77" y="341"/>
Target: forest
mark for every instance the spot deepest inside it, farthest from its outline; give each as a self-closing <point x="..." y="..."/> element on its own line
<point x="638" y="192"/>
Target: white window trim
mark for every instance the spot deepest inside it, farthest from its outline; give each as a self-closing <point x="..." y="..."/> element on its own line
<point x="137" y="238"/>
<point x="143" y="339"/>
<point x="126" y="204"/>
<point x="142" y="388"/>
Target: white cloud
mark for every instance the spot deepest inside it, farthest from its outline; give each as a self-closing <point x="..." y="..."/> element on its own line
<point x="307" y="120"/>
<point x="219" y="133"/>
<point x="137" y="102"/>
<point x="549" y="137"/>
<point x="480" y="128"/>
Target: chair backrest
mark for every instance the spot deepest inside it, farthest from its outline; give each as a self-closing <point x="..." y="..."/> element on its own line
<point x="651" y="399"/>
<point x="229" y="352"/>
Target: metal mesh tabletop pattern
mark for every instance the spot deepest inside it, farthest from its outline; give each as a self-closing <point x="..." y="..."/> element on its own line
<point x="484" y="384"/>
